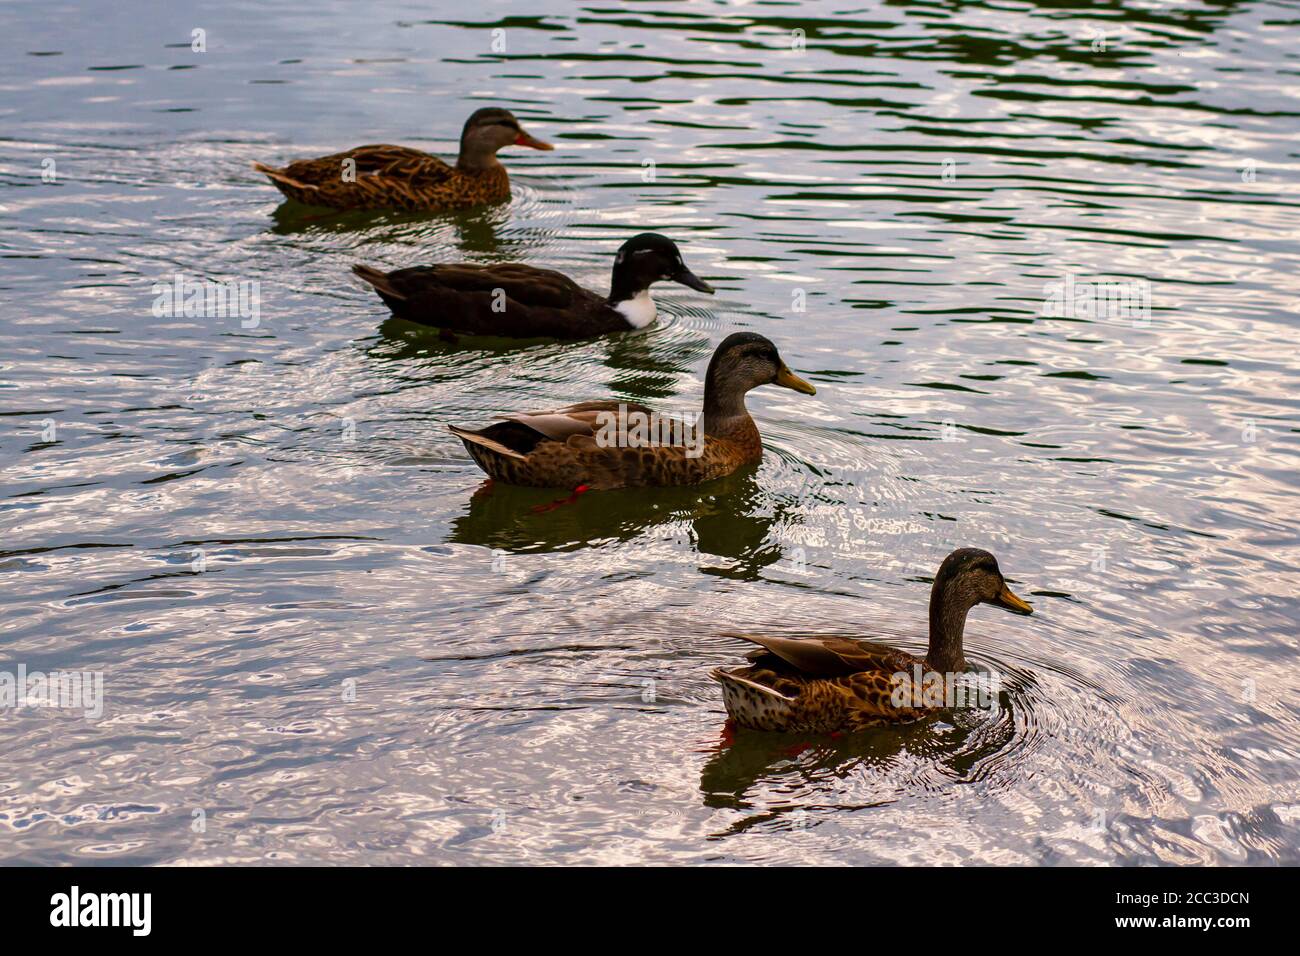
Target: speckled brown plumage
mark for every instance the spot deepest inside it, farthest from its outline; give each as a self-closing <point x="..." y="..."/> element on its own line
<point x="775" y="694"/>
<point x="381" y="176"/>
<point x="826" y="684"/>
<point x="579" y="460"/>
<point x="388" y="177"/>
<point x="572" y="446"/>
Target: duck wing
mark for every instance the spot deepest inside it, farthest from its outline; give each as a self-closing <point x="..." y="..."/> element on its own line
<point x="509" y="299"/>
<point x="583" y="419"/>
<point x="829" y="656"/>
<point x="523" y="285"/>
<point x="518" y="433"/>
<point x="379" y="159"/>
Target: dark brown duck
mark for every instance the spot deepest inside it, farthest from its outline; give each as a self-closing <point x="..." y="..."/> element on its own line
<point x="521" y="301"/>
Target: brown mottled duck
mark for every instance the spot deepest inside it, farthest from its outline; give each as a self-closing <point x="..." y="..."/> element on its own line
<point x="521" y="301"/>
<point x="398" y="177"/>
<point x="600" y="445"/>
<point x="828" y="684"/>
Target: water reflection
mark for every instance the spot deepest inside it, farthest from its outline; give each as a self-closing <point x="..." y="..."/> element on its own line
<point x="731" y="519"/>
<point x="483" y="234"/>
<point x="951" y="746"/>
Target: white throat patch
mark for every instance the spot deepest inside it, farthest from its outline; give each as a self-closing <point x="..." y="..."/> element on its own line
<point x="639" y="310"/>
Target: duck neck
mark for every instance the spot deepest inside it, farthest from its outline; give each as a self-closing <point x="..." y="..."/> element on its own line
<point x="631" y="299"/>
<point x="947" y="623"/>
<point x="475" y="157"/>
<point x="624" y="287"/>
<point x="725" y="414"/>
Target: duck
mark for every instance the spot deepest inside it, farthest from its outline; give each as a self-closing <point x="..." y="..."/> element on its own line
<point x="381" y="176"/>
<point x="514" y="300"/>
<point x="601" y="445"/>
<point x="842" y="684"/>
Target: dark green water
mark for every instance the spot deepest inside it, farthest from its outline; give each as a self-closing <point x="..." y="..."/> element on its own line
<point x="531" y="686"/>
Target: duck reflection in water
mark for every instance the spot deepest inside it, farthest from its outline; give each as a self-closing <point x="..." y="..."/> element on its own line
<point x="746" y="769"/>
<point x="731" y="518"/>
<point x="481" y="233"/>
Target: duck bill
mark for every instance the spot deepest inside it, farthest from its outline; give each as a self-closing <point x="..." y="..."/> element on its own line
<point x="523" y="139"/>
<point x="689" y="279"/>
<point x="787" y="379"/>
<point x="1008" y="601"/>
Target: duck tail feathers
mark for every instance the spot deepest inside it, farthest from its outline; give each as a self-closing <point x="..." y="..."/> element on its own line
<point x="377" y="279"/>
<point x="483" y="441"/>
<point x="281" y="178"/>
<point x="753" y="705"/>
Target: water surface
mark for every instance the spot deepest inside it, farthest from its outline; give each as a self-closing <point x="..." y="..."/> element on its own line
<point x="324" y="641"/>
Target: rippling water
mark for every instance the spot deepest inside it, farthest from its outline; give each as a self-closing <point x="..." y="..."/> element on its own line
<point x="244" y="529"/>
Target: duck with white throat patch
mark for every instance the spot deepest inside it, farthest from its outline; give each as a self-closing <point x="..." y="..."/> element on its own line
<point x="521" y="301"/>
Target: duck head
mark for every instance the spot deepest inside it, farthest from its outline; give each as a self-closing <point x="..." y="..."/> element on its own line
<point x="967" y="577"/>
<point x="642" y="261"/>
<point x="744" y="360"/>
<point x="488" y="130"/>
